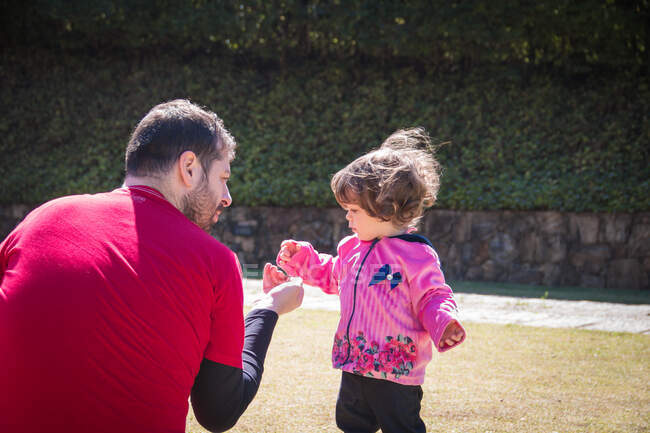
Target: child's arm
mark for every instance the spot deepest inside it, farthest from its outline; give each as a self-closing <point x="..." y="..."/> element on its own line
<point x="299" y="258"/>
<point x="433" y="302"/>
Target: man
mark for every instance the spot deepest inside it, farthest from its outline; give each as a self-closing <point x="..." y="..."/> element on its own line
<point x="115" y="307"/>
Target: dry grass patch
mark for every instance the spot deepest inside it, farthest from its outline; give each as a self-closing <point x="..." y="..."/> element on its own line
<point x="502" y="379"/>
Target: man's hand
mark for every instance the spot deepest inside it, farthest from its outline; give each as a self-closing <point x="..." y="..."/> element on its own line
<point x="282" y="298"/>
<point x="453" y="334"/>
<point x="287" y="250"/>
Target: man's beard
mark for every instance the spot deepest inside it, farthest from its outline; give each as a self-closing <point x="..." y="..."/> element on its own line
<point x="198" y="206"/>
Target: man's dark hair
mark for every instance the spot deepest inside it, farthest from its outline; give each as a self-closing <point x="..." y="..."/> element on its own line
<point x="172" y="128"/>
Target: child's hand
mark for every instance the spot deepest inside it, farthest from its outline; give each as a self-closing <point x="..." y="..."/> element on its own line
<point x="282" y="294"/>
<point x="287" y="250"/>
<point x="454" y="333"/>
<point x="272" y="277"/>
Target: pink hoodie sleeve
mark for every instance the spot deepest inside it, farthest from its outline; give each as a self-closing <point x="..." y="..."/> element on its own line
<point x="316" y="269"/>
<point x="431" y="297"/>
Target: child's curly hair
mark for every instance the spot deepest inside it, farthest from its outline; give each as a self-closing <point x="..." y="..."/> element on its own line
<point x="395" y="182"/>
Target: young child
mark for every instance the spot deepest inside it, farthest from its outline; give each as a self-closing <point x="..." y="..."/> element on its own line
<point x="394" y="300"/>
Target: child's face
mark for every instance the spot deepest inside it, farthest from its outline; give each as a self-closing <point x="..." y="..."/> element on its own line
<point x="367" y="227"/>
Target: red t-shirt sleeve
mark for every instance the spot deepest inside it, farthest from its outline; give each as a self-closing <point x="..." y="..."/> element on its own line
<point x="227" y="317"/>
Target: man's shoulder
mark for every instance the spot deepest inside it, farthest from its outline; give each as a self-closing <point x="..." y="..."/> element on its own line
<point x="59" y="207"/>
<point x="79" y="200"/>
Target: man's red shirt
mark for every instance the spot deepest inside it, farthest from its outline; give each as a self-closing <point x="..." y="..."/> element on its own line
<point x="108" y="304"/>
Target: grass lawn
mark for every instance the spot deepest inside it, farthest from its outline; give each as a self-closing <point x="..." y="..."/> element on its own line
<point x="502" y="379"/>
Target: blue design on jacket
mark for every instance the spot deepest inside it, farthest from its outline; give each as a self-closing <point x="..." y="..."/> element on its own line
<point x="384" y="274"/>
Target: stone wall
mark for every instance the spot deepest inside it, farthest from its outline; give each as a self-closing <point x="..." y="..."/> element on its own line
<point x="545" y="248"/>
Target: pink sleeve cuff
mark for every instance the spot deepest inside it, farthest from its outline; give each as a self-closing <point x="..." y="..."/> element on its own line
<point x="435" y="317"/>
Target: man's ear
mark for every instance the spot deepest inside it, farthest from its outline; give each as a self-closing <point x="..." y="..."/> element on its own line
<point x="189" y="169"/>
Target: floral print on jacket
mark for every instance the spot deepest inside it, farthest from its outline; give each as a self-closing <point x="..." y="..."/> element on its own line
<point x="395" y="357"/>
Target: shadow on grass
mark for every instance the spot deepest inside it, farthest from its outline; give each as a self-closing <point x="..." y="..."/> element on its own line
<point x="618" y="296"/>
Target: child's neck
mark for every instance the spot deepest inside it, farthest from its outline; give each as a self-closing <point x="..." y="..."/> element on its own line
<point x="395" y="232"/>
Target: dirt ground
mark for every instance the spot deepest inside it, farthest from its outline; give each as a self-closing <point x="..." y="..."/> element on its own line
<point x="508" y="310"/>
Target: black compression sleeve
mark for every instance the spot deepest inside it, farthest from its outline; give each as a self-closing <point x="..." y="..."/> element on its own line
<point x="221" y="393"/>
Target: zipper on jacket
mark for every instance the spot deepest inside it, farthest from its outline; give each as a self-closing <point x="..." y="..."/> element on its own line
<point x="354" y="300"/>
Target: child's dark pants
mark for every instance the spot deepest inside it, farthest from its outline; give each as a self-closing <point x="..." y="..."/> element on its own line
<point x="365" y="405"/>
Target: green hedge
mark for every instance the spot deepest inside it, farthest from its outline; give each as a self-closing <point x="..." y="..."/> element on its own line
<point x="574" y="35"/>
<point x="518" y="138"/>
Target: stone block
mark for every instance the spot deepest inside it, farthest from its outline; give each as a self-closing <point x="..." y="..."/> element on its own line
<point x="18" y="211"/>
<point x="246" y="259"/>
<point x="619" y="251"/>
<point x="272" y="241"/>
<point x="551" y="274"/>
<point x="518" y="223"/>
<point x="551" y="223"/>
<point x="484" y="225"/>
<point x="592" y="254"/>
<point x="442" y="248"/>
<point x="624" y="274"/>
<point x="475" y="273"/>
<point x="281" y="219"/>
<point x="642" y="218"/>
<point x="317" y="233"/>
<point x="452" y="273"/>
<point x="592" y="281"/>
<point x="439" y="223"/>
<point x="245" y="228"/>
<point x="584" y="228"/>
<point x="554" y="250"/>
<point x="570" y="276"/>
<point x="451" y="263"/>
<point x="238" y="213"/>
<point x="503" y="249"/>
<point x="453" y="253"/>
<point x="480" y="252"/>
<point x="615" y="228"/>
<point x="492" y="271"/>
<point x="525" y="275"/>
<point x="639" y="241"/>
<point x="466" y="253"/>
<point x="528" y="245"/>
<point x="290" y="230"/>
<point x="7" y="225"/>
<point x="247" y="244"/>
<point x="225" y="237"/>
<point x="463" y="228"/>
<point x="339" y="231"/>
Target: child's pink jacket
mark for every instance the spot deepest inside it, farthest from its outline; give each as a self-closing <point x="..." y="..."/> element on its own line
<point x="394" y="302"/>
